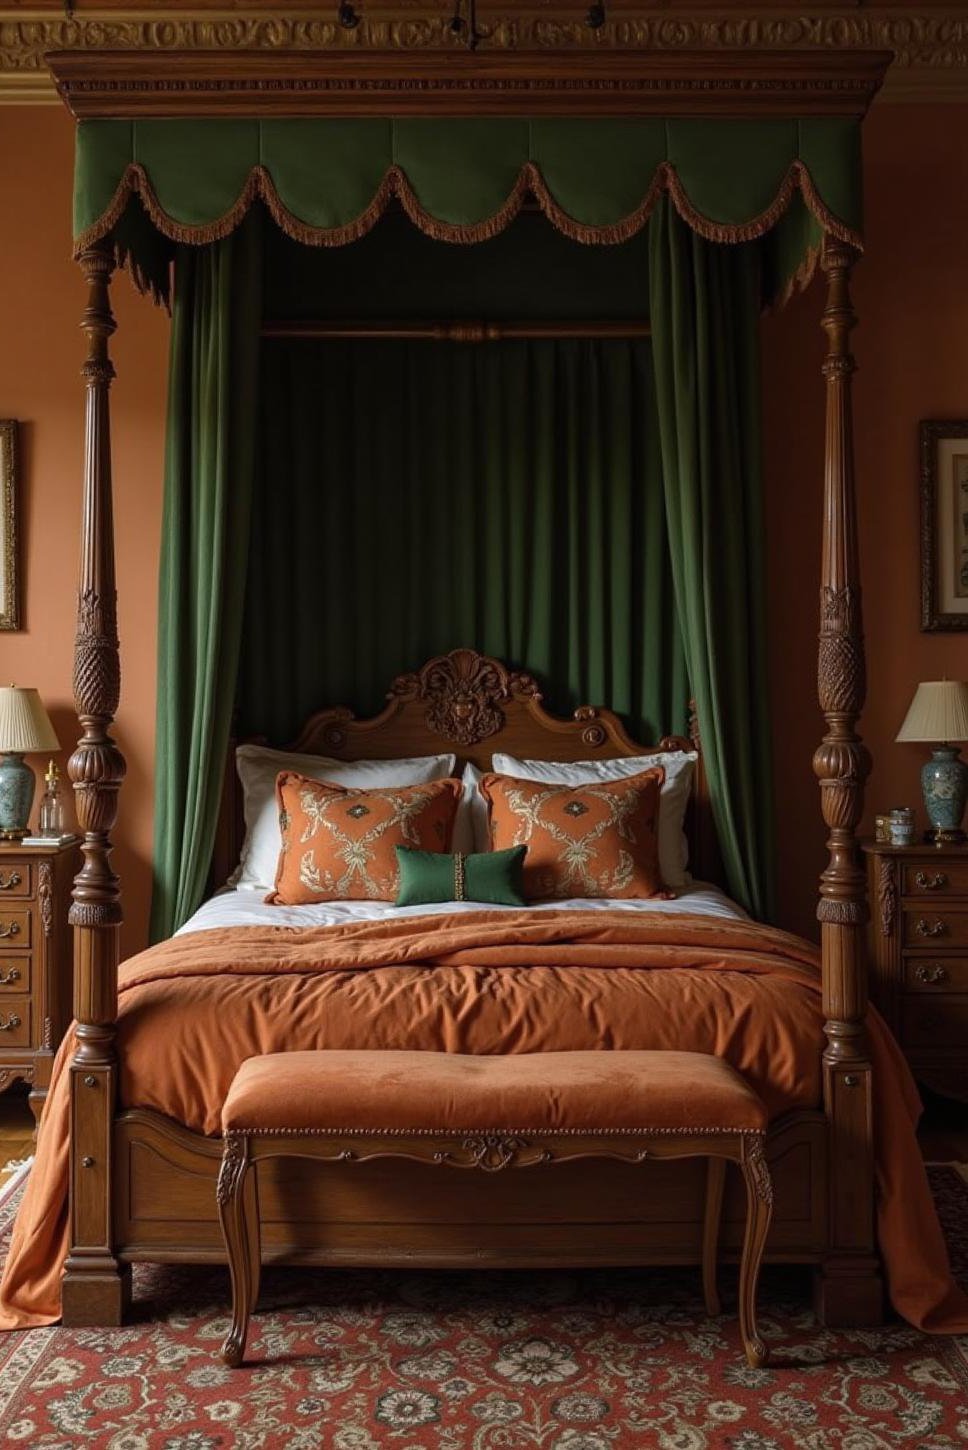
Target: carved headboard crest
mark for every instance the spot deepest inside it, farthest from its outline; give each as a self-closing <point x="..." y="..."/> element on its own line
<point x="464" y="692"/>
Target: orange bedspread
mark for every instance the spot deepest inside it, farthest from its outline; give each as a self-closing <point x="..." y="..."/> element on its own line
<point x="193" y="1008"/>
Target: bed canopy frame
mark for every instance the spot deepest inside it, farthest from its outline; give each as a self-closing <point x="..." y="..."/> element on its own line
<point x="120" y="98"/>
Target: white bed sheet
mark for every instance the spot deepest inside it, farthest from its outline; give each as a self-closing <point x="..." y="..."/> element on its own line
<point x="247" y="908"/>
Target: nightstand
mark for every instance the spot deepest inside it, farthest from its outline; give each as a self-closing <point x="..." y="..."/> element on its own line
<point x="919" y="956"/>
<point x="35" y="961"/>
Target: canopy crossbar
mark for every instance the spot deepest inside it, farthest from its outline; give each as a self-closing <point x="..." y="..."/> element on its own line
<point x="458" y="330"/>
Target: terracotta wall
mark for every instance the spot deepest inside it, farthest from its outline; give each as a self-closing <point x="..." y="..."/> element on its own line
<point x="43" y="296"/>
<point x="912" y="294"/>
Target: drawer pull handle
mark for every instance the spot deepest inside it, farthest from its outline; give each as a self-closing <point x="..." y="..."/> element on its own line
<point x="7" y="883"/>
<point x="924" y="927"/>
<point x="7" y="977"/>
<point x="931" y="975"/>
<point x="10" y="930"/>
<point x="937" y="882"/>
<point x="11" y="1024"/>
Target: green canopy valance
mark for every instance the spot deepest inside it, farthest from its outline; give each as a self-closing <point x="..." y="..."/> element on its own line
<point x="327" y="181"/>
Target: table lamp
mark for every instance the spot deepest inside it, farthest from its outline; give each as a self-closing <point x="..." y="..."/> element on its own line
<point x="939" y="713"/>
<point x="24" y="728"/>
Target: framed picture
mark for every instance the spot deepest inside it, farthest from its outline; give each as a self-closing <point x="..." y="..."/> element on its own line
<point x="9" y="550"/>
<point x="944" y="524"/>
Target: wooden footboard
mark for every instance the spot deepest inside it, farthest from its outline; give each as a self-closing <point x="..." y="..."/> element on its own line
<point x="396" y="1214"/>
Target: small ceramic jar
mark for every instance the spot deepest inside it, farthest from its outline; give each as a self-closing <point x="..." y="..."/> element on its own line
<point x="902" y="826"/>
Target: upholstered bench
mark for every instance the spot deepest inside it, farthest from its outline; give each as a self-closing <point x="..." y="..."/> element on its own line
<point x="492" y="1113"/>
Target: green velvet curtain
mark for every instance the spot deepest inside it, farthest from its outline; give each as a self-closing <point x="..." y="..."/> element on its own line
<point x="212" y="399"/>
<point x="704" y="310"/>
<point x="415" y="497"/>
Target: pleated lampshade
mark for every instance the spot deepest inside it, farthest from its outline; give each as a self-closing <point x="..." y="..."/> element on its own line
<point x="939" y="711"/>
<point x="24" y="723"/>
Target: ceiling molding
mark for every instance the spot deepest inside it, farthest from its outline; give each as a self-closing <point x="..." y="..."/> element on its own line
<point x="930" y="42"/>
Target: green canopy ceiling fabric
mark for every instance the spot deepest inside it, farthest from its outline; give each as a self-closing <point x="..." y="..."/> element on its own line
<point x="327" y="182"/>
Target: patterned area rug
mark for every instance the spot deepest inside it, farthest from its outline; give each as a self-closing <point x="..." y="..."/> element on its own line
<point x="12" y="1176"/>
<point x="525" y="1361"/>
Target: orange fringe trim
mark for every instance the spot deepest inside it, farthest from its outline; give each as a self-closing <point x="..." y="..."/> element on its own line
<point x="259" y="186"/>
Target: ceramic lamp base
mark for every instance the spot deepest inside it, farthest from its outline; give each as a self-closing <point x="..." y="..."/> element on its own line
<point x="16" y="796"/>
<point x="944" y="781"/>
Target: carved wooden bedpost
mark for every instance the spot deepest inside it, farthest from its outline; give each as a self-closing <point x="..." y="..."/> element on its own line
<point x="849" y="1286"/>
<point x="95" y="1286"/>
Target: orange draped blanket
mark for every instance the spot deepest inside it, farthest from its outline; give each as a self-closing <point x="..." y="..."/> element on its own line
<point x="193" y="1008"/>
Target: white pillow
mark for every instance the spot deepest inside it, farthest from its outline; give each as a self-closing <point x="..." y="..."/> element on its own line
<point x="258" y="767"/>
<point x="471" y="826"/>
<point x="679" y="766"/>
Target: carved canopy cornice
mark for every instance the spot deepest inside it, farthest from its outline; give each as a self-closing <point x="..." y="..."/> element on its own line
<point x="363" y="82"/>
<point x="930" y="42"/>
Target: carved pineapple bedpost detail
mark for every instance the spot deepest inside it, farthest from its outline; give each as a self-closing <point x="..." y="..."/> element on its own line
<point x="95" y="1286"/>
<point x="849" y="1288"/>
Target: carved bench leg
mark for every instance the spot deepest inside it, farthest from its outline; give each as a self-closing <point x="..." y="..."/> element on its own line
<point x="237" y="1207"/>
<point x="250" y="1209"/>
<point x="759" y="1213"/>
<point x="715" y="1183"/>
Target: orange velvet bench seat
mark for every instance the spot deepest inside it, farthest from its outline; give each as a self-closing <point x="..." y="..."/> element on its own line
<point x="488" y="1114"/>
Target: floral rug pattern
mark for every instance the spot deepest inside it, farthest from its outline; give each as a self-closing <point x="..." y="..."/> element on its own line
<point x="499" y="1361"/>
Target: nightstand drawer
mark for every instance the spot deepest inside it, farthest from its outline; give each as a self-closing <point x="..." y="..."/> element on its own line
<point x="15" y="922"/>
<point x="935" y="974"/>
<point x="14" y="975"/>
<point x="934" y="1021"/>
<point x="14" y="1022"/>
<point x="943" y="878"/>
<point x="927" y="926"/>
<point x="16" y="881"/>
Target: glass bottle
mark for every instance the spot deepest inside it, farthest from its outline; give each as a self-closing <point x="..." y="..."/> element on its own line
<point x="51" y="821"/>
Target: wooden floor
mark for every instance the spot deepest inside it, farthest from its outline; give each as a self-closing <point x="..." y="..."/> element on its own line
<point x="943" y="1133"/>
<point x="16" y="1132"/>
<point x="944" y="1130"/>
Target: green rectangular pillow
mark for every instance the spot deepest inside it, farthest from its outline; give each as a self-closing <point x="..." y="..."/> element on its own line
<point x="493" y="877"/>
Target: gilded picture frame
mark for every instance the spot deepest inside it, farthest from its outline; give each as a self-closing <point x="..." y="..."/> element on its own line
<point x="944" y="524"/>
<point x="9" y="540"/>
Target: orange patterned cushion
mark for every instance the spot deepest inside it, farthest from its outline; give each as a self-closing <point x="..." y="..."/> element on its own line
<point x="586" y="840"/>
<point x="339" y="844"/>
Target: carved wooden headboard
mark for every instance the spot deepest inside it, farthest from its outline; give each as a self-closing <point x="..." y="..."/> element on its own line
<point x="473" y="705"/>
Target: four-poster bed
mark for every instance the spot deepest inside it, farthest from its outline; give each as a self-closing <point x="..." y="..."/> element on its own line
<point x="141" y="1185"/>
